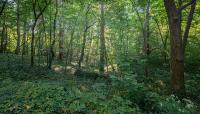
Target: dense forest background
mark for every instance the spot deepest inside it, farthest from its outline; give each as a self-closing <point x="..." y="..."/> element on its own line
<point x="99" y="56"/>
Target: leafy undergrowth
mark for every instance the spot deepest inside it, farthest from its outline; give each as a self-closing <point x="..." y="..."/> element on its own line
<point x="40" y="91"/>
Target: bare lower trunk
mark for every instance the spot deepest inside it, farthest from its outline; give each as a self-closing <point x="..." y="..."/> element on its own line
<point x="24" y="40"/>
<point x="32" y="44"/>
<point x="177" y="56"/>
<point x="52" y="54"/>
<point x="17" y="51"/>
<point x="82" y="50"/>
<point x="102" y="41"/>
<point x="2" y="38"/>
<point x="61" y="44"/>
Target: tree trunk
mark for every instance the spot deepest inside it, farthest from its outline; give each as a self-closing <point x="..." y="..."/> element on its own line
<point x="102" y="40"/>
<point x="2" y="38"/>
<point x="61" y="43"/>
<point x="177" y="57"/>
<point x="82" y="49"/>
<point x="61" y="36"/>
<point x="17" y="51"/>
<point x="32" y="43"/>
<point x="146" y="35"/>
<point x="36" y="17"/>
<point x="24" y="39"/>
<point x="6" y="40"/>
<point x="69" y="50"/>
<point x="52" y="54"/>
<point x="178" y="44"/>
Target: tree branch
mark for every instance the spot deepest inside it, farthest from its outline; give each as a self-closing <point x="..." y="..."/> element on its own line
<point x="90" y="25"/>
<point x="42" y="10"/>
<point x="138" y="15"/>
<point x="189" y="22"/>
<point x="186" y="5"/>
<point x="34" y="9"/>
<point x="3" y="7"/>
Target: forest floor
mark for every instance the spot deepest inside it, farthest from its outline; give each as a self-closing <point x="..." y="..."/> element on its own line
<point x="39" y="90"/>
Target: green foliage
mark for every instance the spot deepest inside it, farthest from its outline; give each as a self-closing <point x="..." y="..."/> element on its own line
<point x="24" y="90"/>
<point x="152" y="102"/>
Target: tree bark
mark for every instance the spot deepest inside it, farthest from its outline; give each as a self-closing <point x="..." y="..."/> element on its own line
<point x="36" y="17"/>
<point x="102" y="40"/>
<point x="2" y="38"/>
<point x="86" y="27"/>
<point x="178" y="43"/>
<point x="147" y="50"/>
<point x="32" y="43"/>
<point x="17" y="51"/>
<point x="188" y="25"/>
<point x="61" y="42"/>
<point x="24" y="39"/>
<point x="52" y="54"/>
<point x="177" y="59"/>
<point x="82" y="49"/>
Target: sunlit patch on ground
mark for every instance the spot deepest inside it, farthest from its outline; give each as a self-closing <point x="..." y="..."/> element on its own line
<point x="62" y="69"/>
<point x="57" y="68"/>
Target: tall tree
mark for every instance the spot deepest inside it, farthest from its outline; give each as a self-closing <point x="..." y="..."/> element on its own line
<point x="102" y="40"/>
<point x="178" y="43"/>
<point x="147" y="50"/>
<point x="36" y="17"/>
<point x="52" y="44"/>
<point x="61" y="41"/>
<point x="24" y="38"/>
<point x="17" y="51"/>
<point x="145" y="30"/>
<point x="3" y="36"/>
<point x="85" y="32"/>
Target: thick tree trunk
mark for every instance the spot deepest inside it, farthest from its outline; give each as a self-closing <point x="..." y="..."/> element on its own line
<point x="178" y="44"/>
<point x="177" y="57"/>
